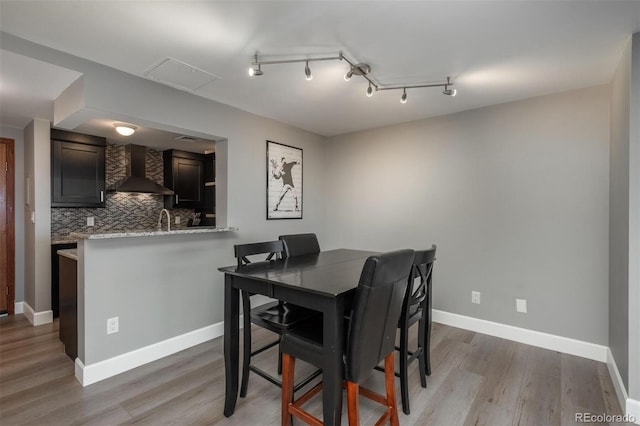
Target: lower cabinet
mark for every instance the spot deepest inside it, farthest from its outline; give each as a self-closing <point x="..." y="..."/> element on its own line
<point x="69" y="305"/>
<point x="55" y="304"/>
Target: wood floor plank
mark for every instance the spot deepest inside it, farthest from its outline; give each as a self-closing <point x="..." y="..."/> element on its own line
<point x="452" y="401"/>
<point x="539" y="399"/>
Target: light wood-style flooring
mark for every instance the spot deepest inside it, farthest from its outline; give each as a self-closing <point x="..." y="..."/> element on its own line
<point x="476" y="380"/>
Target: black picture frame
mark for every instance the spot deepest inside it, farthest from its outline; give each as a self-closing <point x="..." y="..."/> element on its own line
<point x="284" y="181"/>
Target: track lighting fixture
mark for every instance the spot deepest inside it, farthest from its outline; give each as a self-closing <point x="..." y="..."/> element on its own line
<point x="307" y="72"/>
<point x="359" y="69"/>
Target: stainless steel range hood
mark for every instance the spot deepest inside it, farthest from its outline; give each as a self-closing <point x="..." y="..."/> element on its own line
<point x="136" y="180"/>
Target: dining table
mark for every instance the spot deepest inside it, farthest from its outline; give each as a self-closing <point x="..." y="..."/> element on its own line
<point x="325" y="282"/>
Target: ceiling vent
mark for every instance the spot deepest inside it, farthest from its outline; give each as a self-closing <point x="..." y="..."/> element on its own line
<point x="180" y="75"/>
<point x="186" y="138"/>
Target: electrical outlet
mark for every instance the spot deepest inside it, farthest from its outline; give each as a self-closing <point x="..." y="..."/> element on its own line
<point x="91" y="221"/>
<point x="177" y="220"/>
<point x="521" y="305"/>
<point x="112" y="325"/>
<point x="475" y="297"/>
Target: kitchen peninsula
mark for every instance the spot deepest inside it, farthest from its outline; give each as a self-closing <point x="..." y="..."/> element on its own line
<point x="161" y="288"/>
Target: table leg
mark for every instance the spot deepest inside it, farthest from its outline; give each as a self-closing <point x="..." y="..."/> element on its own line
<point x="332" y="369"/>
<point x="231" y="342"/>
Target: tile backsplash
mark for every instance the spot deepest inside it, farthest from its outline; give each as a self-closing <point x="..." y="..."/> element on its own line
<point x="123" y="211"/>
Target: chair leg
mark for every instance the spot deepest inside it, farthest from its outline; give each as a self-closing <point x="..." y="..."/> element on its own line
<point x="246" y="350"/>
<point x="279" y="356"/>
<point x="390" y="386"/>
<point x="288" y="368"/>
<point x="404" y="374"/>
<point x="421" y="351"/>
<point x="427" y="347"/>
<point x="353" y="406"/>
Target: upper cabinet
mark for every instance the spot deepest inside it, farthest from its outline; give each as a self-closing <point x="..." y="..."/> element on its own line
<point x="184" y="174"/>
<point x="77" y="169"/>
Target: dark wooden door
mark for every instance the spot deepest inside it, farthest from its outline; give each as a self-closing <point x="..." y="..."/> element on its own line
<point x="7" y="231"/>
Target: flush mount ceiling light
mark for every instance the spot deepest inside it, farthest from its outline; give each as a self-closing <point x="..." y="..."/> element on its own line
<point x="125" y="129"/>
<point x="359" y="69"/>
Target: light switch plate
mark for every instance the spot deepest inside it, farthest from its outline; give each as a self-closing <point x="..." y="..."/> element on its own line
<point x="91" y="221"/>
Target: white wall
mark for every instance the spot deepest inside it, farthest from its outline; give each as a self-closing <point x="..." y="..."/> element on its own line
<point x="515" y="196"/>
<point x="17" y="136"/>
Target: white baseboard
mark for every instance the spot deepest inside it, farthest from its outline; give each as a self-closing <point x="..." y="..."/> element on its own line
<point x="618" y="384"/>
<point x="523" y="335"/>
<point x="18" y="308"/>
<point x="92" y="373"/>
<point x="37" y="318"/>
<point x="633" y="410"/>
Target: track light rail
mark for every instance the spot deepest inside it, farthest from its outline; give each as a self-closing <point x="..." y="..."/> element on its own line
<point x="359" y="69"/>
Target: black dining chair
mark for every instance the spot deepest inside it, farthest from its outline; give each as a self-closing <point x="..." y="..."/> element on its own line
<point x="299" y="244"/>
<point x="274" y="316"/>
<point x="370" y="338"/>
<point x="416" y="307"/>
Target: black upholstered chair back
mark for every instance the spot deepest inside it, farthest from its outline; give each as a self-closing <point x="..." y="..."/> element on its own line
<point x="300" y="244"/>
<point x="270" y="248"/>
<point x="376" y="309"/>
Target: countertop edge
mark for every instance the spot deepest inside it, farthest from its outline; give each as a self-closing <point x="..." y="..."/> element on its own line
<point x="132" y="234"/>
<point x="70" y="253"/>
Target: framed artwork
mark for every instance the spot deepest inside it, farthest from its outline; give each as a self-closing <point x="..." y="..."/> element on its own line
<point x="284" y="181"/>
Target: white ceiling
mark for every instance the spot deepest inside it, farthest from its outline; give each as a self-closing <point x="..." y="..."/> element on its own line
<point x="495" y="51"/>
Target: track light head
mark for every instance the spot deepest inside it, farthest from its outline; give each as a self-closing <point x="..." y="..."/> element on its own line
<point x="255" y="71"/>
<point x="307" y="72"/>
<point x="348" y="75"/>
<point x="403" y="99"/>
<point x="449" y="92"/>
<point x="369" y="91"/>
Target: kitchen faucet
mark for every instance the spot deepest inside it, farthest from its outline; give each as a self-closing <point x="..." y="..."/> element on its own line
<point x="168" y="220"/>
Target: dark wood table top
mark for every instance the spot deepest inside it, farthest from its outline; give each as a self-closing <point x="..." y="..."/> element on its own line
<point x="328" y="273"/>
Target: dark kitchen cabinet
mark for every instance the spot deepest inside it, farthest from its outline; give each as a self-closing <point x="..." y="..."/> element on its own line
<point x="55" y="271"/>
<point x="69" y="306"/>
<point x="77" y="169"/>
<point x="209" y="208"/>
<point x="184" y="174"/>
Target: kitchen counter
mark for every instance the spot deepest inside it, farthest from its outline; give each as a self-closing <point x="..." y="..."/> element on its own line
<point x="70" y="253"/>
<point x="147" y="233"/>
<point x="63" y="240"/>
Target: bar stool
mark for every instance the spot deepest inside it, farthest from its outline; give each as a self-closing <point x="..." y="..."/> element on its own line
<point x="371" y="335"/>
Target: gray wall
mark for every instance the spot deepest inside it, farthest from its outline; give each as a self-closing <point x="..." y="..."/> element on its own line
<point x="624" y="218"/>
<point x="17" y="136"/>
<point x="37" y="253"/>
<point x="634" y="224"/>
<point x="619" y="216"/>
<point x="119" y="94"/>
<point x="515" y="196"/>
